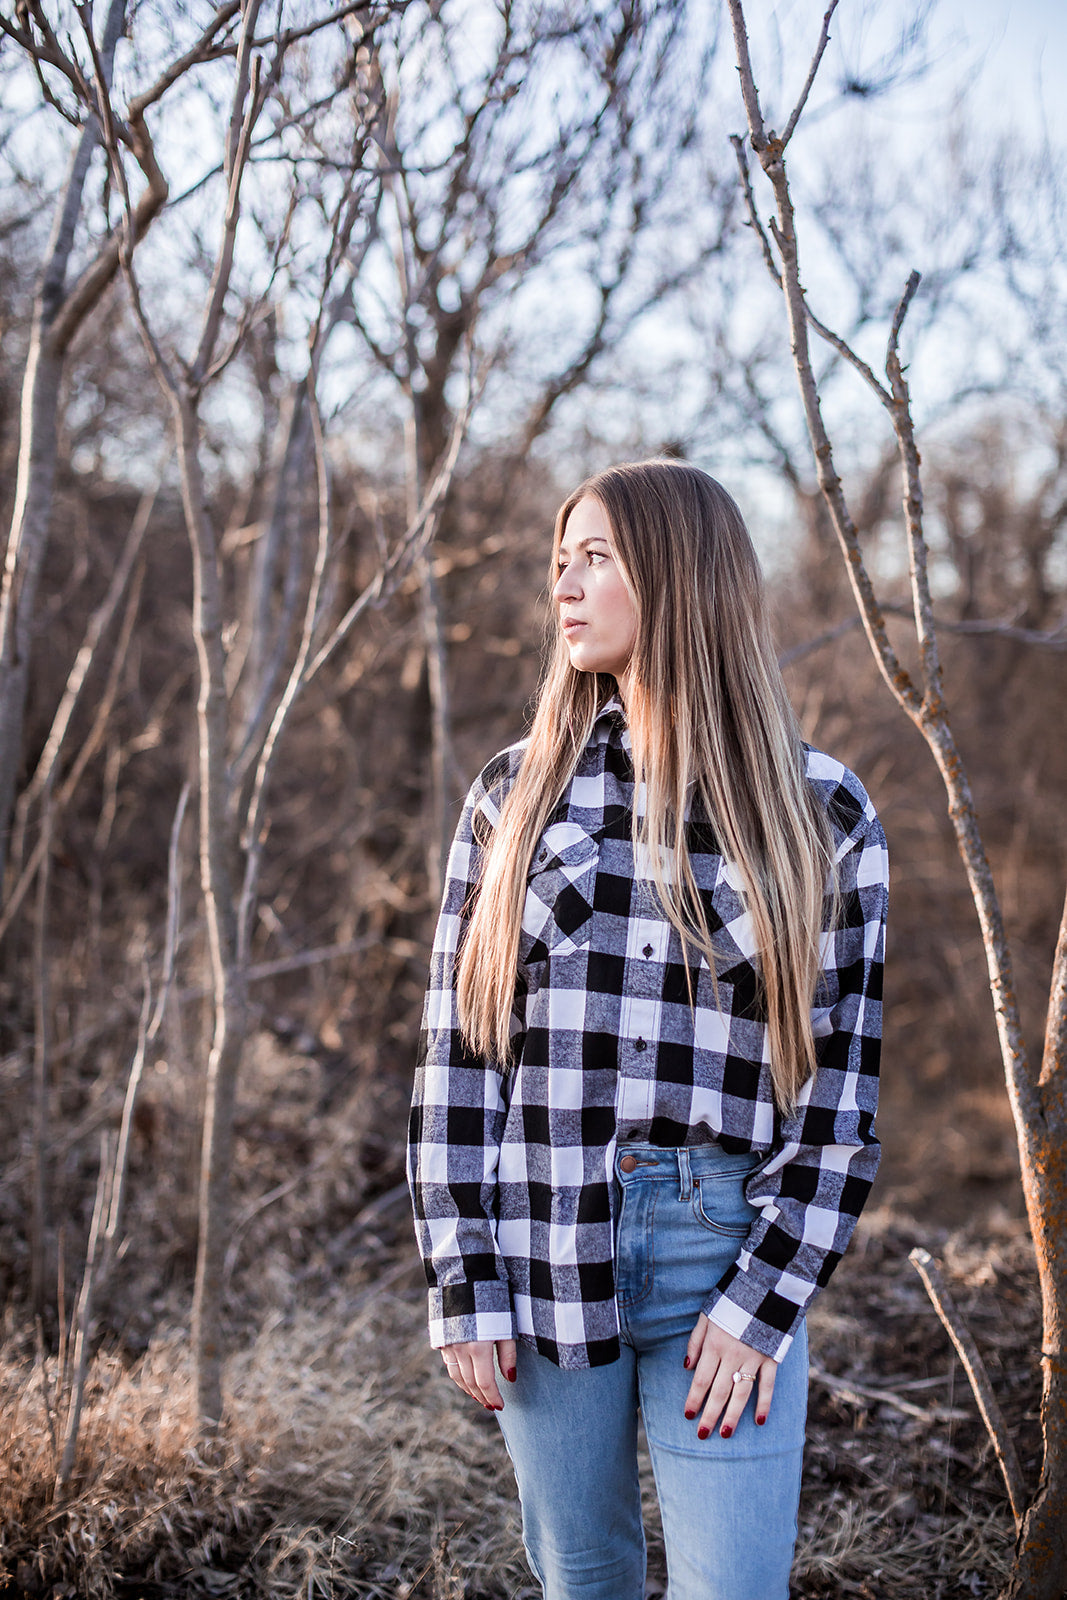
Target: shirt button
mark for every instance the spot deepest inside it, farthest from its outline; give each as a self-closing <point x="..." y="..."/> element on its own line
<point x="633" y="1135"/>
<point x="647" y="951"/>
<point x="640" y="1045"/>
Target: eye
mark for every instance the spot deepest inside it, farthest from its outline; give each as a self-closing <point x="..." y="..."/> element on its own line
<point x="596" y="557"/>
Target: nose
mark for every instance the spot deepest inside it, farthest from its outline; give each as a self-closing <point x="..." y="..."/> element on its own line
<point x="567" y="585"/>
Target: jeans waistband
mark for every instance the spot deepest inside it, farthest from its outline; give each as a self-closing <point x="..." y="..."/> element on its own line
<point x="686" y="1165"/>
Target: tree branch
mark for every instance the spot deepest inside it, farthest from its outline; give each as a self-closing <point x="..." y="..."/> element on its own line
<point x="975" y="1368"/>
<point x="824" y="39"/>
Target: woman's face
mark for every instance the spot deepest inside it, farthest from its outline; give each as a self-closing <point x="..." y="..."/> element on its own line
<point x="597" y="612"/>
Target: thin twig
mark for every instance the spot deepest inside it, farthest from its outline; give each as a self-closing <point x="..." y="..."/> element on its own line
<point x="975" y="1368"/>
<point x="749" y="92"/>
<point x="41" y="1117"/>
<point x="83" y="1317"/>
<point x="824" y="40"/>
<point x="738" y="142"/>
<point x="407" y="948"/>
<point x="46" y="1392"/>
<point x="975" y="627"/>
<point x="202" y="50"/>
<point x="1054" y="1055"/>
<point x="416" y="538"/>
<point x="76" y="678"/>
<point x="122" y="1153"/>
<point x="860" y="1393"/>
<point x="56" y="804"/>
<point x="891" y="356"/>
<point x="170" y="945"/>
<point x="253" y="829"/>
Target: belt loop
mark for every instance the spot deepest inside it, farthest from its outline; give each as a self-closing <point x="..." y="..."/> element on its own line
<point x="685" y="1175"/>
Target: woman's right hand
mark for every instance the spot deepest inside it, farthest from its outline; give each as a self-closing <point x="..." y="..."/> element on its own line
<point x="471" y="1367"/>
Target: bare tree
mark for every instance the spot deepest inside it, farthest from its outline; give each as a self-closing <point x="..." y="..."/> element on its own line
<point x="241" y="716"/>
<point x="489" y="178"/>
<point x="245" y="699"/>
<point x="60" y="308"/>
<point x="1036" y="1091"/>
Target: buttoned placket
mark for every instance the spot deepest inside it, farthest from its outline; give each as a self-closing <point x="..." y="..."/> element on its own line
<point x="647" y="939"/>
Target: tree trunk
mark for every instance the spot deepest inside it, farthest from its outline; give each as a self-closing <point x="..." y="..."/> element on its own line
<point x="217" y="847"/>
<point x="31" y="518"/>
<point x="27" y="541"/>
<point x="427" y="448"/>
<point x="1038" y="1102"/>
<point x="1040" y="1571"/>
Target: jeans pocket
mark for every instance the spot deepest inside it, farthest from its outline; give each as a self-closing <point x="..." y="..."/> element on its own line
<point x="719" y="1205"/>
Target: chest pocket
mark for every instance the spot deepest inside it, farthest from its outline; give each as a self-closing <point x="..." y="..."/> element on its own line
<point x="558" y="913"/>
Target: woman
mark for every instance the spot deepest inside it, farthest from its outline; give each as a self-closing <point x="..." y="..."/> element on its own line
<point x="642" y="1127"/>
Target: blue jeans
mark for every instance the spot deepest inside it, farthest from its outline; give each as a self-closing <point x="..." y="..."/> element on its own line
<point x="729" y="1506"/>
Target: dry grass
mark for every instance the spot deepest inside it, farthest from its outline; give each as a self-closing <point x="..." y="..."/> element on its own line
<point x="348" y="1467"/>
<point x="345" y="1467"/>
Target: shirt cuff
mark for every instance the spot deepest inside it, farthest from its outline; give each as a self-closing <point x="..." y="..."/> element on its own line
<point x="468" y="1312"/>
<point x="749" y="1327"/>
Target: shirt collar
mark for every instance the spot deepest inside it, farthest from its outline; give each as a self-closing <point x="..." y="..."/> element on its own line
<point x="613" y="705"/>
<point x="611" y="719"/>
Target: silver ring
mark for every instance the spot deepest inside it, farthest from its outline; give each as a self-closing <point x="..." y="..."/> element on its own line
<point x="745" y="1377"/>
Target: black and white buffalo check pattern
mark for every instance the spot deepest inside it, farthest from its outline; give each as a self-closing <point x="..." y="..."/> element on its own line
<point x="512" y="1174"/>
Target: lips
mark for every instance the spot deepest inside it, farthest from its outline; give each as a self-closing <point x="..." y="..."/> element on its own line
<point x="569" y="624"/>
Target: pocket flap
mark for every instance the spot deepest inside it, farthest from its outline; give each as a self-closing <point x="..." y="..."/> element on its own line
<point x="559" y="892"/>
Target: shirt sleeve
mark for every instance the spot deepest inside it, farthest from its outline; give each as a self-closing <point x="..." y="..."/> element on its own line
<point x="811" y="1189"/>
<point x="457" y="1122"/>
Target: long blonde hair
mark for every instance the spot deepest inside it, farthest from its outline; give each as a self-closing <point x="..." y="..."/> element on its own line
<point x="712" y="731"/>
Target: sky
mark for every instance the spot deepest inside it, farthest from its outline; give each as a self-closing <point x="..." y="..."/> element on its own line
<point x="1022" y="48"/>
<point x="1010" y="54"/>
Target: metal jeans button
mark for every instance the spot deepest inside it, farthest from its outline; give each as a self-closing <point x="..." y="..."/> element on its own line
<point x="628" y="1163"/>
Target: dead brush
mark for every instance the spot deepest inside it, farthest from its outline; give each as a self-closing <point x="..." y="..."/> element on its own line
<point x="344" y="1467"/>
<point x="409" y="1491"/>
<point x="137" y="1483"/>
<point x="851" y="1547"/>
<point x="348" y="1468"/>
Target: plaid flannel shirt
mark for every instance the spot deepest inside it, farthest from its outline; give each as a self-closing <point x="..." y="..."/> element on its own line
<point x="512" y="1174"/>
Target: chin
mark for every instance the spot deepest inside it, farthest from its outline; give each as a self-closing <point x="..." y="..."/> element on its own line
<point x="588" y="661"/>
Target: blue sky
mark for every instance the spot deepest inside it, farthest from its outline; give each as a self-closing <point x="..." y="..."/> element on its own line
<point x="1022" y="47"/>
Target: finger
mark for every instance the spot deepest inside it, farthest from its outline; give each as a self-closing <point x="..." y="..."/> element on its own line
<point x="464" y="1373"/>
<point x="696" y="1342"/>
<point x="482" y="1377"/>
<point x="719" y="1395"/>
<point x="468" y="1365"/>
<point x="453" y="1361"/>
<point x="704" y="1357"/>
<point x="706" y="1368"/>
<point x="767" y="1373"/>
<point x="739" y="1397"/>
<point x="506" y="1356"/>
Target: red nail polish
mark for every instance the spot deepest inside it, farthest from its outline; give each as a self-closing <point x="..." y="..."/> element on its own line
<point x="685" y="1363"/>
<point x="511" y="1374"/>
<point x="689" y="1416"/>
<point x="702" y="1433"/>
<point x="760" y="1421"/>
<point x="726" y="1430"/>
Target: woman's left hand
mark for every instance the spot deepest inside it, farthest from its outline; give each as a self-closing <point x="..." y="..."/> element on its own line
<point x="713" y="1356"/>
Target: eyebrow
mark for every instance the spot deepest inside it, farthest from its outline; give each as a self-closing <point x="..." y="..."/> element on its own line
<point x="583" y="544"/>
